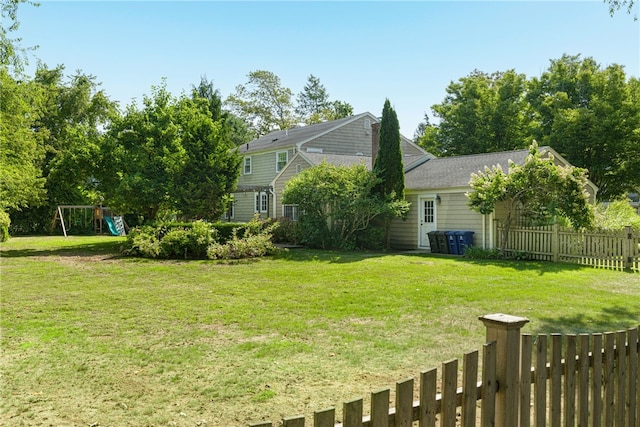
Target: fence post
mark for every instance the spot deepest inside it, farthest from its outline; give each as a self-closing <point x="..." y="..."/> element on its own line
<point x="555" y="243"/>
<point x="505" y="331"/>
<point x="626" y="248"/>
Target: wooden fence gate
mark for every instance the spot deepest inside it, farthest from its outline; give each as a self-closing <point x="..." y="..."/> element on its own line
<point x="586" y="380"/>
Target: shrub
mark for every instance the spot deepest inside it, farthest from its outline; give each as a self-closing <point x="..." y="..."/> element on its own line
<point x="189" y="241"/>
<point x="255" y="241"/>
<point x="225" y="229"/>
<point x="285" y="231"/>
<point x="473" y="252"/>
<point x="520" y="256"/>
<point x="199" y="240"/>
<point x="142" y="241"/>
<point x="616" y="216"/>
<point x="245" y="247"/>
<point x="371" y="238"/>
<point x="5" y="222"/>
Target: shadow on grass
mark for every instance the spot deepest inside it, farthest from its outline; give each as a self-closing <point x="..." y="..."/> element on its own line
<point x="328" y="256"/>
<point x="610" y="319"/>
<point x="540" y="267"/>
<point x="107" y="248"/>
<point x="343" y="257"/>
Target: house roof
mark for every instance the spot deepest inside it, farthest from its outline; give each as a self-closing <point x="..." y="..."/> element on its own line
<point x="297" y="136"/>
<point x="456" y="171"/>
<point x="345" y="160"/>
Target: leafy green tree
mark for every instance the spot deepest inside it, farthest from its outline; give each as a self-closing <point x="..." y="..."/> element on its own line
<point x="591" y="116"/>
<point x="141" y="153"/>
<point x="206" y="90"/>
<point x="67" y="128"/>
<point x="238" y="130"/>
<point x="426" y="136"/>
<point x="336" y="202"/>
<point x="481" y="113"/>
<point x="170" y="156"/>
<point x="12" y="54"/>
<point x="21" y="181"/>
<point x="264" y="103"/>
<point x="588" y="114"/>
<point x="338" y="110"/>
<point x="541" y="190"/>
<point x="210" y="169"/>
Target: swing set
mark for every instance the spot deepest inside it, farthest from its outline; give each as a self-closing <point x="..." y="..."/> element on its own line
<point x="85" y="219"/>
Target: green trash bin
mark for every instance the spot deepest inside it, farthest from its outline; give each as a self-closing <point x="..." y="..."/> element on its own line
<point x="443" y="243"/>
<point x="433" y="242"/>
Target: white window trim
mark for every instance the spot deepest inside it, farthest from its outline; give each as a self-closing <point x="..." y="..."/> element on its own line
<point x="244" y="165"/>
<point x="261" y="202"/>
<point x="278" y="153"/>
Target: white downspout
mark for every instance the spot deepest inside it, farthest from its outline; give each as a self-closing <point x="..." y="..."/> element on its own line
<point x="484" y="232"/>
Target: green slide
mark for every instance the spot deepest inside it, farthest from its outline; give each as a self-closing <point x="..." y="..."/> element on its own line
<point x="112" y="226"/>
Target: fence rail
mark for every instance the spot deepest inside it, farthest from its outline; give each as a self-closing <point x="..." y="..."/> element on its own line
<point x="613" y="250"/>
<point x="554" y="380"/>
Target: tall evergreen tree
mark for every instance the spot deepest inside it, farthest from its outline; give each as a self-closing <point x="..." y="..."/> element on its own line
<point x="313" y="99"/>
<point x="314" y="106"/>
<point x="388" y="162"/>
<point x="238" y="129"/>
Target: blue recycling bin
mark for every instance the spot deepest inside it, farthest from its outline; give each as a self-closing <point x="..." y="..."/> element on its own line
<point x="443" y="244"/>
<point x="453" y="242"/>
<point x="465" y="239"/>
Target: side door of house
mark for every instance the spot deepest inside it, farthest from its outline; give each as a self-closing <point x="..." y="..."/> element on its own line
<point x="427" y="220"/>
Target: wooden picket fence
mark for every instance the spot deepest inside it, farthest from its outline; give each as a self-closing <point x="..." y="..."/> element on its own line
<point x="573" y="380"/>
<point x="612" y="250"/>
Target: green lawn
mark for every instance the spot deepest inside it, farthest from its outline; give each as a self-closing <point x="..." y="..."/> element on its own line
<point x="89" y="338"/>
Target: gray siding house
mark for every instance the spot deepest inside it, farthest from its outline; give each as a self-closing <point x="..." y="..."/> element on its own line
<point x="282" y="154"/>
<point x="435" y="187"/>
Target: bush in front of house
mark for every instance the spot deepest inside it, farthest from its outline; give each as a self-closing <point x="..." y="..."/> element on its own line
<point x="286" y="232"/>
<point x="201" y="240"/>
<point x="252" y="246"/>
<point x="256" y="240"/>
<point x="172" y="242"/>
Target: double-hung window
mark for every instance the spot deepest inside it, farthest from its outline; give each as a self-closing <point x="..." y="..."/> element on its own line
<point x="290" y="211"/>
<point x="246" y="166"/>
<point x="262" y="202"/>
<point x="282" y="157"/>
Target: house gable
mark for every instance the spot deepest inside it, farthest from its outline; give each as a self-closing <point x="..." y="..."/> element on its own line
<point x="342" y="142"/>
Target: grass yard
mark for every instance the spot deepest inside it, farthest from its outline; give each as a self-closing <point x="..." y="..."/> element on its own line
<point x="92" y="339"/>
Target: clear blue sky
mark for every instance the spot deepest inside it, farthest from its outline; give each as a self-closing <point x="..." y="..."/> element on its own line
<point x="363" y="52"/>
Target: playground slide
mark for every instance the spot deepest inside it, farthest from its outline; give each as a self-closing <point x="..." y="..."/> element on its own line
<point x="112" y="226"/>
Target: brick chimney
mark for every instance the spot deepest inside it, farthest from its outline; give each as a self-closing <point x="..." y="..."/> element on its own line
<point x="375" y="142"/>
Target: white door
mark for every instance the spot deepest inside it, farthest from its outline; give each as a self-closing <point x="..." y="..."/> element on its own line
<point x="427" y="219"/>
